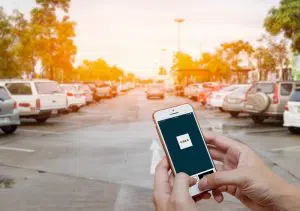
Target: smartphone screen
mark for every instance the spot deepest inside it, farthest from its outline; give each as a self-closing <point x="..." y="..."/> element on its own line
<point x="185" y="145"/>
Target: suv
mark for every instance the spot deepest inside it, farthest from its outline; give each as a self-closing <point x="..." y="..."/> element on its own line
<point x="267" y="99"/>
<point x="9" y="114"/>
<point x="37" y="99"/>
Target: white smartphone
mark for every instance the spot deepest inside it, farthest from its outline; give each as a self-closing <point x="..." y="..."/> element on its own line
<point x="184" y="144"/>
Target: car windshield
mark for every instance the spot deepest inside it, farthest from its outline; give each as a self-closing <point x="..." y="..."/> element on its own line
<point x="229" y="89"/>
<point x="155" y="86"/>
<point x="4" y="94"/>
<point x="48" y="87"/>
<point x="295" y="96"/>
<point x="68" y="88"/>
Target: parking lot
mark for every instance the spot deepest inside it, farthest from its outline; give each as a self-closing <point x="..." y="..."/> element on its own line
<point x="101" y="157"/>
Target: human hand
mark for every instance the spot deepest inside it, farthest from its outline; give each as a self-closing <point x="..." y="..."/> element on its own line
<point x="172" y="193"/>
<point x="244" y="175"/>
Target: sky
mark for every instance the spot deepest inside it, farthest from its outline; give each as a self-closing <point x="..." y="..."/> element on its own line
<point x="141" y="35"/>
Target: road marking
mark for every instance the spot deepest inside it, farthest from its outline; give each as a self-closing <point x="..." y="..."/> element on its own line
<point x="294" y="148"/>
<point x="16" y="149"/>
<point x="41" y="131"/>
<point x="156" y="157"/>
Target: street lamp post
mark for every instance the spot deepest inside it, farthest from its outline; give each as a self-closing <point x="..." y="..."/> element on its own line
<point x="179" y="21"/>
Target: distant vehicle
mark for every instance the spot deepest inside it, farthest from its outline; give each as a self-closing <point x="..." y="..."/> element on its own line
<point x="217" y="97"/>
<point x="179" y="90"/>
<point x="103" y="90"/>
<point x="234" y="102"/>
<point x="192" y="91"/>
<point x="9" y="113"/>
<point x="267" y="99"/>
<point x="37" y="99"/>
<point x="292" y="112"/>
<point x="155" y="91"/>
<point x="85" y="91"/>
<point x="74" y="98"/>
<point x="114" y="90"/>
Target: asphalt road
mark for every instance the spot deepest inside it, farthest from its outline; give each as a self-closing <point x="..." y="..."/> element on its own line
<point x="100" y="157"/>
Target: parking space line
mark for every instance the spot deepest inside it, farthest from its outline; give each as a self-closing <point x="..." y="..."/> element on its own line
<point x="16" y="149"/>
<point x="41" y="131"/>
<point x="285" y="149"/>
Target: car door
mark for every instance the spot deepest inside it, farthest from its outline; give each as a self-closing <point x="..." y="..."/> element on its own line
<point x="6" y="103"/>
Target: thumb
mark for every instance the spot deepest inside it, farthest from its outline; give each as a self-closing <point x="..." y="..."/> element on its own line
<point x="236" y="177"/>
<point x="182" y="184"/>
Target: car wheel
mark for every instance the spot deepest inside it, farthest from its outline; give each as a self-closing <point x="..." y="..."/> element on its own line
<point x="258" y="119"/>
<point x="234" y="114"/>
<point x="221" y="109"/>
<point x="9" y="129"/>
<point x="42" y="119"/>
<point x="76" y="109"/>
<point x="294" y="130"/>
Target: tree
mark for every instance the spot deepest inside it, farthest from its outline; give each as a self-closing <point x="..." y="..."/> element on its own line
<point x="236" y="52"/>
<point x="183" y="61"/>
<point x="219" y="68"/>
<point x="54" y="36"/>
<point x="162" y="71"/>
<point x="285" y="19"/>
<point x="9" y="66"/>
<point x="272" y="56"/>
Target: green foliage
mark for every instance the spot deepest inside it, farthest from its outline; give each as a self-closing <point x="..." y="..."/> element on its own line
<point x="98" y="70"/>
<point x="285" y="19"/>
<point x="54" y="37"/>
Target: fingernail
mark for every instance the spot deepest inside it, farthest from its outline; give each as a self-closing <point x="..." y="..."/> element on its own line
<point x="203" y="183"/>
<point x="219" y="198"/>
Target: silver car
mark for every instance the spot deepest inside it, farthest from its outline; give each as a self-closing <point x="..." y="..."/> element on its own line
<point x="9" y="114"/>
<point x="234" y="102"/>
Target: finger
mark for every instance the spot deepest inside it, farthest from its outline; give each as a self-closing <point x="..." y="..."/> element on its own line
<point x="219" y="167"/>
<point x="236" y="177"/>
<point x="161" y="178"/>
<point x="171" y="180"/>
<point x="218" y="196"/>
<point x="182" y="184"/>
<point x="221" y="143"/>
<point x="202" y="196"/>
<point x="216" y="154"/>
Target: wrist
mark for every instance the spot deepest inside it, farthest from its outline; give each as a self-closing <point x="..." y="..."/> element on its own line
<point x="288" y="198"/>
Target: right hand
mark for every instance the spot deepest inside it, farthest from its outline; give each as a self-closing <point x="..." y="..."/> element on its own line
<point x="241" y="173"/>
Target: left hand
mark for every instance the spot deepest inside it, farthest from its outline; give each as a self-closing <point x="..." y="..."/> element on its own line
<point x="172" y="194"/>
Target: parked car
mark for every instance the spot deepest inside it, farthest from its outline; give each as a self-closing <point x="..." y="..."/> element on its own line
<point x="103" y="90"/>
<point x="292" y="112"/>
<point x="85" y="91"/>
<point x="234" y="102"/>
<point x="155" y="91"/>
<point x="114" y="90"/>
<point x="37" y="99"/>
<point x="179" y="90"/>
<point x="217" y="97"/>
<point x="74" y="98"/>
<point x="192" y="91"/>
<point x="267" y="99"/>
<point x="9" y="113"/>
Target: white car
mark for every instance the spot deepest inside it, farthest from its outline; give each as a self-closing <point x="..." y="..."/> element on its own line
<point x="217" y="98"/>
<point x="292" y="113"/>
<point x="74" y="98"/>
<point x="86" y="92"/>
<point x="37" y="99"/>
<point x="192" y="91"/>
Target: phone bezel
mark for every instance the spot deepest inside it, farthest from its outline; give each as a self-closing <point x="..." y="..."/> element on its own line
<point x="175" y="112"/>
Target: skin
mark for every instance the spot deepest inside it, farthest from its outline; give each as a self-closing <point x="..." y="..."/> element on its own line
<point x="240" y="173"/>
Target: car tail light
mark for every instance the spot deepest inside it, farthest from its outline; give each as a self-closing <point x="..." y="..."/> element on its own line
<point x="38" y="103"/>
<point x="69" y="94"/>
<point x="286" y="108"/>
<point x="275" y="96"/>
<point x="24" y="105"/>
<point x="15" y="106"/>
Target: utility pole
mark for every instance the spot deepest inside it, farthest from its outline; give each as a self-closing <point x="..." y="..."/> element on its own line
<point x="179" y="21"/>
